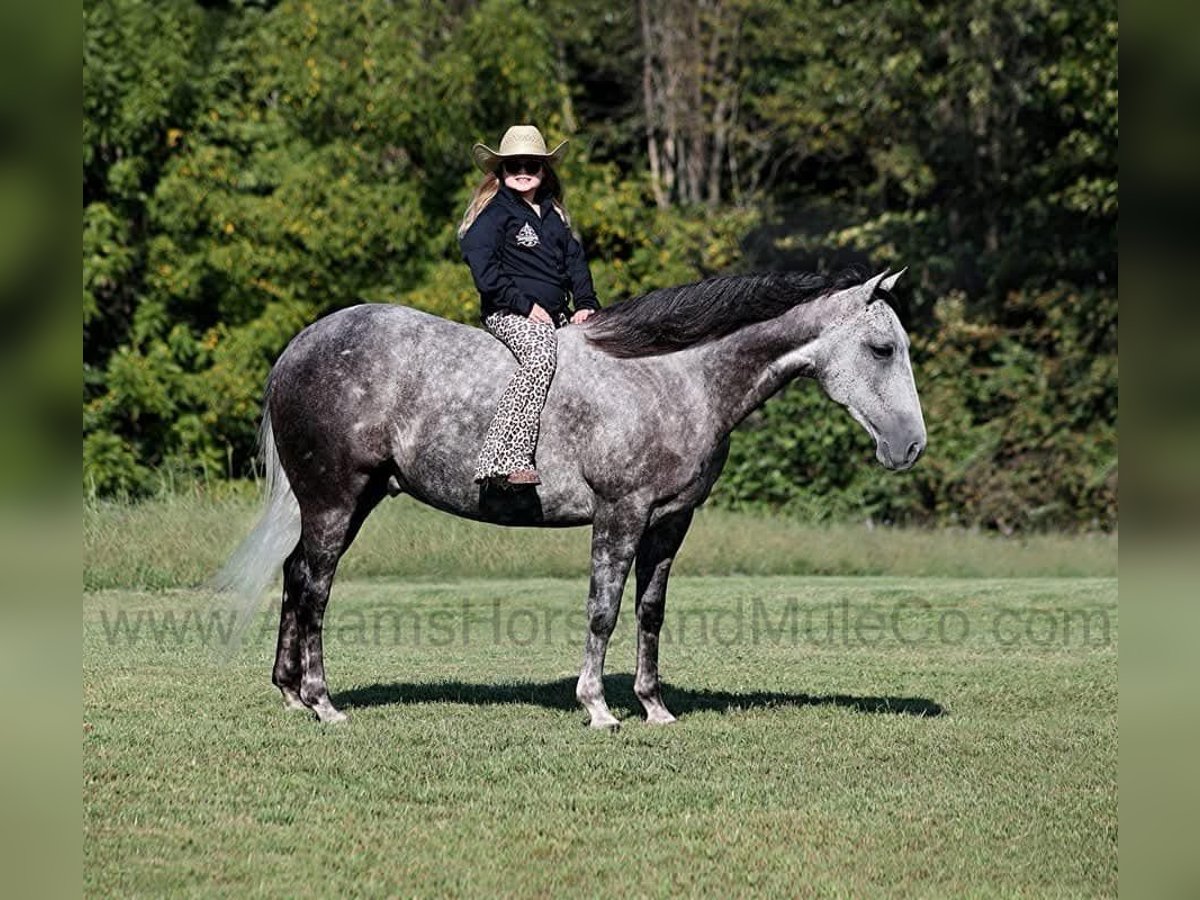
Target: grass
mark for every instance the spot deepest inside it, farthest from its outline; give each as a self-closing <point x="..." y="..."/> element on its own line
<point x="181" y="541"/>
<point x="837" y="737"/>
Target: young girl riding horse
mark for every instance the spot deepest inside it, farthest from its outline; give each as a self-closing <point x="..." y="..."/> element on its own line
<point x="516" y="237"/>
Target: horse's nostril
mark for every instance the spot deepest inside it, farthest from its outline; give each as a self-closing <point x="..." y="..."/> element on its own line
<point x="914" y="451"/>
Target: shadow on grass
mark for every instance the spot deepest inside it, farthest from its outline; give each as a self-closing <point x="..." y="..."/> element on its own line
<point x="561" y="695"/>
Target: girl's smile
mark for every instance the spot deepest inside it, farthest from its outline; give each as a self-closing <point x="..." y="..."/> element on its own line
<point x="523" y="175"/>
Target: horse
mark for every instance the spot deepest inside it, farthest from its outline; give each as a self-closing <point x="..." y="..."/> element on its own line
<point x="377" y="400"/>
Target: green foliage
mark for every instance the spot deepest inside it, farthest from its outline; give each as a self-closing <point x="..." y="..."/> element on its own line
<point x="249" y="167"/>
<point x="977" y="139"/>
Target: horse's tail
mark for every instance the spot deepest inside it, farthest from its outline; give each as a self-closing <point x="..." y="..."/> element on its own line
<point x="256" y="560"/>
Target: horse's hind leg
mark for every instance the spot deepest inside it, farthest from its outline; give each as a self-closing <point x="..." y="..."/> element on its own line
<point x="655" y="554"/>
<point x="325" y="536"/>
<point x="316" y="566"/>
<point x="286" y="675"/>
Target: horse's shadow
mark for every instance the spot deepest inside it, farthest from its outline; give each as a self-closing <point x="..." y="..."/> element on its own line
<point x="560" y="695"/>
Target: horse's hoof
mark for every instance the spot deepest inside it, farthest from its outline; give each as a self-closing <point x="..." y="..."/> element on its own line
<point x="291" y="699"/>
<point x="610" y="725"/>
<point x="662" y="718"/>
<point x="327" y="715"/>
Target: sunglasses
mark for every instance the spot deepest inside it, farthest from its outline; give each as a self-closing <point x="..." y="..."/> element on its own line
<point x="526" y="165"/>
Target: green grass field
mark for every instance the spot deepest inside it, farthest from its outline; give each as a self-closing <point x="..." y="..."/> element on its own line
<point x="181" y="541"/>
<point x="838" y="736"/>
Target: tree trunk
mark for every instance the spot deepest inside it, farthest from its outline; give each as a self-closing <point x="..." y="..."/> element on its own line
<point x="651" y="104"/>
<point x="689" y="65"/>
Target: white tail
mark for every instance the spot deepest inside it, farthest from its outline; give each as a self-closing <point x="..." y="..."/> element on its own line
<point x="256" y="560"/>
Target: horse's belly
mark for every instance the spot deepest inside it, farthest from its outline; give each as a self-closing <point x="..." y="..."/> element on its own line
<point x="527" y="506"/>
<point x="435" y="458"/>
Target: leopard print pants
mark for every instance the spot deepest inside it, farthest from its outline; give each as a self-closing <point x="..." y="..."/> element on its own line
<point x="512" y="437"/>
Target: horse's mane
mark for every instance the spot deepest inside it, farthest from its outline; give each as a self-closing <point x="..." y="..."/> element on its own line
<point x="674" y="318"/>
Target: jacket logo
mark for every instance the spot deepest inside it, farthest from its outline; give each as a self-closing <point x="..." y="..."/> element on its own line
<point x="527" y="237"/>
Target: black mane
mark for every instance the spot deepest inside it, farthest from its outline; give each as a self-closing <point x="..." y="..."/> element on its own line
<point x="673" y="318"/>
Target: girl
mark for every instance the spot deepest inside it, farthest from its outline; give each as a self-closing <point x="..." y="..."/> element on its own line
<point x="516" y="237"/>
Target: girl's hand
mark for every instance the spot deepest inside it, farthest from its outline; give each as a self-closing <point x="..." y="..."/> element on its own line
<point x="581" y="316"/>
<point x="539" y="315"/>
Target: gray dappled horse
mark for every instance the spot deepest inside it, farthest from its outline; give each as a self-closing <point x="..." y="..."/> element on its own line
<point x="376" y="400"/>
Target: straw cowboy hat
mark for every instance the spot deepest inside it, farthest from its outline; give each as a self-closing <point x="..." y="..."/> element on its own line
<point x="520" y="140"/>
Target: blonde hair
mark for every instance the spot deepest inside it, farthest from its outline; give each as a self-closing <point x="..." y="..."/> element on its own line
<point x="487" y="189"/>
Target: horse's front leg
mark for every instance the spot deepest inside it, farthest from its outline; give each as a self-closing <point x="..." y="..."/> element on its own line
<point x="654" y="557"/>
<point x="616" y="532"/>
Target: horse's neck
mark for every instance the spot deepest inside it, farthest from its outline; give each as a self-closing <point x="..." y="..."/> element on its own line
<point x="743" y="369"/>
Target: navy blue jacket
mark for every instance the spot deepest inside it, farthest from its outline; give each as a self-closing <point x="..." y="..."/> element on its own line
<point x="519" y="258"/>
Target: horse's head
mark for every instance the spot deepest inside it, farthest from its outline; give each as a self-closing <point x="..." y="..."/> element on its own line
<point x="861" y="360"/>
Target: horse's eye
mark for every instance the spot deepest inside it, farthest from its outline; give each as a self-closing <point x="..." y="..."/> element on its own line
<point x="883" y="351"/>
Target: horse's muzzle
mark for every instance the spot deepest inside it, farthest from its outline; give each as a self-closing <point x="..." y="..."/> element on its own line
<point x="913" y="448"/>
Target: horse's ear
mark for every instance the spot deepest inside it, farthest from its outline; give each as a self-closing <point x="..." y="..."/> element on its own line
<point x="890" y="282"/>
<point x="867" y="290"/>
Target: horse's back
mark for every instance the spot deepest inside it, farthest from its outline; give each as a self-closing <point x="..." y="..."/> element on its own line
<point x="375" y="349"/>
<point x="398" y="393"/>
<point x="378" y="331"/>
